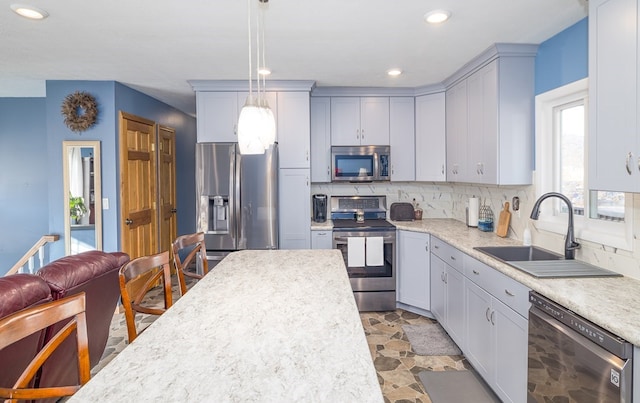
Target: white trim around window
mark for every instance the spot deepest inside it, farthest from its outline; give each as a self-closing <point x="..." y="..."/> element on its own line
<point x="614" y="234"/>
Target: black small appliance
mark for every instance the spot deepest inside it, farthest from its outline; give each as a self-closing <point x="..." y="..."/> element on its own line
<point x="319" y="208"/>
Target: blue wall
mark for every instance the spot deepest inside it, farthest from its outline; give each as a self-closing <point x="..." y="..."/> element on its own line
<point x="31" y="185"/>
<point x="134" y="102"/>
<point x="563" y="58"/>
<point x="23" y="177"/>
<point x="105" y="131"/>
<point x="113" y="97"/>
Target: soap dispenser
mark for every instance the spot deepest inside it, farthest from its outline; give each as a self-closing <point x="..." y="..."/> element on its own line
<point x="526" y="236"/>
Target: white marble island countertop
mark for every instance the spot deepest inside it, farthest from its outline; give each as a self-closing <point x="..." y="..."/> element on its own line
<point x="611" y="302"/>
<point x="267" y="326"/>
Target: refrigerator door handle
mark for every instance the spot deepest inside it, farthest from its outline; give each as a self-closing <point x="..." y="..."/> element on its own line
<point x="234" y="196"/>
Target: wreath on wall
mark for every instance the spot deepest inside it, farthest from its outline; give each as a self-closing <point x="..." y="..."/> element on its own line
<point x="80" y="111"/>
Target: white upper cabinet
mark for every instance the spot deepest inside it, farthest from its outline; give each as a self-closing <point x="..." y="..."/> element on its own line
<point x="402" y="138"/>
<point x="320" y="139"/>
<point x="482" y="134"/>
<point x="217" y="114"/>
<point x="490" y="120"/>
<point x="614" y="142"/>
<point x="456" y="132"/>
<point x="359" y="121"/>
<point x="430" y="150"/>
<point x="294" y="129"/>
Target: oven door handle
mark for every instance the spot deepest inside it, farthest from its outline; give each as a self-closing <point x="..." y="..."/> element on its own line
<point x="343" y="239"/>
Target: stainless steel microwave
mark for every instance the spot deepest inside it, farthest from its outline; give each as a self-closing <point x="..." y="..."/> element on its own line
<point x="360" y="163"/>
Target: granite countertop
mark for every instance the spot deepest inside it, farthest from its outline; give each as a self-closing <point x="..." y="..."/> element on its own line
<point x="609" y="302"/>
<point x="261" y="326"/>
<point x="320" y="226"/>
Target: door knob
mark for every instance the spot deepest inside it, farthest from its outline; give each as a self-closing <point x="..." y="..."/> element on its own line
<point x="128" y="221"/>
<point x="174" y="210"/>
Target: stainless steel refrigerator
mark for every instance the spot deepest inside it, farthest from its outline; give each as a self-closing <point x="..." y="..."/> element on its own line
<point x="237" y="199"/>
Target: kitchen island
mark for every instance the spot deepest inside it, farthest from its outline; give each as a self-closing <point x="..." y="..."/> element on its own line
<point x="268" y="326"/>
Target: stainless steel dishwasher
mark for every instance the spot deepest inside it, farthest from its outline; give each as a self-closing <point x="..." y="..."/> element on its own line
<point x="572" y="359"/>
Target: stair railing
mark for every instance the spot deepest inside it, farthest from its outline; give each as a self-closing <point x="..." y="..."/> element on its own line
<point x="29" y="257"/>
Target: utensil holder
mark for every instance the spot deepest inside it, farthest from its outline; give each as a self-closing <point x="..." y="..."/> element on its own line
<point x="485" y="218"/>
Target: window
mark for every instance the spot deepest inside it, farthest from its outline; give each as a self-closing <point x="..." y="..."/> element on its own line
<point x="562" y="166"/>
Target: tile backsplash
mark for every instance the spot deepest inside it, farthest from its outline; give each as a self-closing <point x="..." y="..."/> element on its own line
<point x="449" y="200"/>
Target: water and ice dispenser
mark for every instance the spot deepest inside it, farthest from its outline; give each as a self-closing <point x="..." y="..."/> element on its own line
<point x="218" y="214"/>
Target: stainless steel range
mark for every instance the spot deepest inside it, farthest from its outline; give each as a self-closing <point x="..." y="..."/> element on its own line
<point x="368" y="244"/>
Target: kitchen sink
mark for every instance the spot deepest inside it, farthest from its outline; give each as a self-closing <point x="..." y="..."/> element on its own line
<point x="519" y="253"/>
<point x="541" y="263"/>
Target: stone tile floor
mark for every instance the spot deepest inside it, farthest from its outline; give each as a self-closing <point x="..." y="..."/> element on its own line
<point x="396" y="364"/>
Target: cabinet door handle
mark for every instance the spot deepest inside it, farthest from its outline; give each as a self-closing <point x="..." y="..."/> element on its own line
<point x="486" y="314"/>
<point x="442" y="169"/>
<point x="392" y="170"/>
<point x="329" y="171"/>
<point x="235" y="129"/>
<point x="452" y="258"/>
<point x="476" y="272"/>
<point x="426" y="247"/>
<point x="629" y="157"/>
<point x="493" y="314"/>
<point x="445" y="278"/>
<point x="307" y="155"/>
<point x="362" y="134"/>
<point x="509" y="293"/>
<point x="436" y="247"/>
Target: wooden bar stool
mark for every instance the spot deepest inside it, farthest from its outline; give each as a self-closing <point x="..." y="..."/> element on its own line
<point x="137" y="278"/>
<point x="194" y="244"/>
<point x="21" y="324"/>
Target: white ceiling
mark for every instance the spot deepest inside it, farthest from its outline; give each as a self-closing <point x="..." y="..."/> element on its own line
<point x="155" y="46"/>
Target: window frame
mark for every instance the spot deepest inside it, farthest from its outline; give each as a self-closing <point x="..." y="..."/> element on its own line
<point x="608" y="233"/>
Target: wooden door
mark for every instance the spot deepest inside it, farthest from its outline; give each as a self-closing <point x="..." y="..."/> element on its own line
<point x="138" y="228"/>
<point x="167" y="186"/>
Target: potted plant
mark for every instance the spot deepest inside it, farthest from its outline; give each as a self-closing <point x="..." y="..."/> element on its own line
<point x="76" y="208"/>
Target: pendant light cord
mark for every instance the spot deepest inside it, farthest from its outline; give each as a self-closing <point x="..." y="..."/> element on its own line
<point x="250" y="50"/>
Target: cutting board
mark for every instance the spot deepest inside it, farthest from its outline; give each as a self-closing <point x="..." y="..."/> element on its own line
<point x="503" y="222"/>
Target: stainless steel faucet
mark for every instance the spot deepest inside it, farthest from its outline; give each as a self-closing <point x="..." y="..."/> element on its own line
<point x="570" y="244"/>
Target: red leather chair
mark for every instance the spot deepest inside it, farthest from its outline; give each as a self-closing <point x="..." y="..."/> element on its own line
<point x="96" y="274"/>
<point x="18" y="292"/>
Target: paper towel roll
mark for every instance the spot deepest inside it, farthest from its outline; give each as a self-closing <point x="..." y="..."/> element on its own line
<point x="474" y="209"/>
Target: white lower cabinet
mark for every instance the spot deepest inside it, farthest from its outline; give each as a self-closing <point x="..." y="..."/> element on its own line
<point x="447" y="289"/>
<point x="454" y="306"/>
<point x="413" y="269"/>
<point x="321" y="239"/>
<point x="496" y="334"/>
<point x="485" y="313"/>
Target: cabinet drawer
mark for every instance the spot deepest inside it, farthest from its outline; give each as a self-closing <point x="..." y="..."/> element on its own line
<point x="509" y="291"/>
<point x="450" y="255"/>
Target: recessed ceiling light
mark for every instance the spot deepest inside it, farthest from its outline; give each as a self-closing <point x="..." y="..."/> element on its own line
<point x="263" y="71"/>
<point x="33" y="13"/>
<point x="437" y="16"/>
<point x="394" y="72"/>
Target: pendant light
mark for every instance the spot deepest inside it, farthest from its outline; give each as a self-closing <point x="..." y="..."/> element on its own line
<point x="256" y="124"/>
